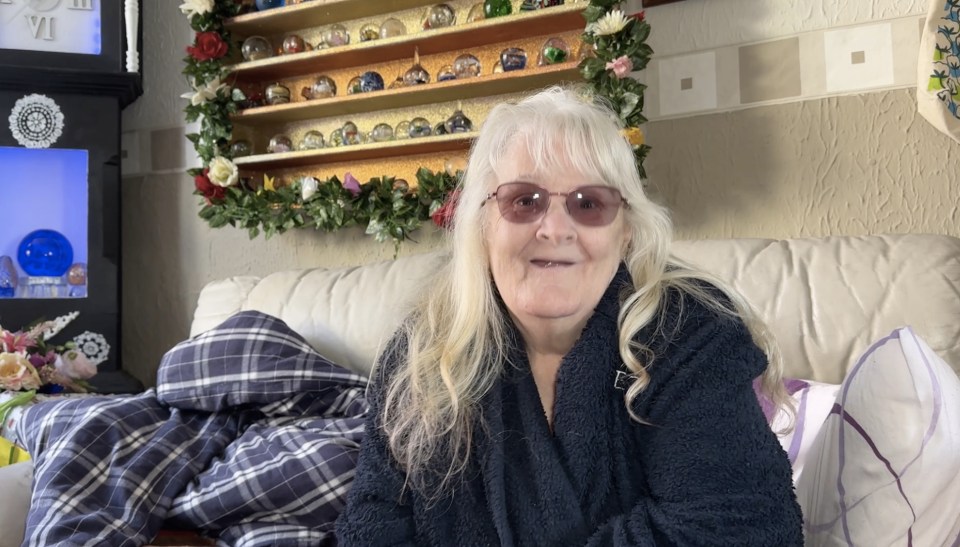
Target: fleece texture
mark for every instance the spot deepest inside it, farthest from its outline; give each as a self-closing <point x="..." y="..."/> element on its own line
<point x="705" y="469"/>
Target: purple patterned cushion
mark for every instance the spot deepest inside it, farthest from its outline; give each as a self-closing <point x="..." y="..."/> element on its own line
<point x="812" y="401"/>
<point x="885" y="467"/>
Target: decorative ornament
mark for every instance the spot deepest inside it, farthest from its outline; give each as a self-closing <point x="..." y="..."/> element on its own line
<point x="416" y="74"/>
<point x="312" y="140"/>
<point x="466" y="66"/>
<point x="371" y="81"/>
<point x="392" y="27"/>
<point x="36" y="121"/>
<point x="458" y="122"/>
<point x="497" y="8"/>
<point x="45" y="253"/>
<point x="322" y="88"/>
<point x="293" y="43"/>
<point x="277" y="94"/>
<point x="336" y="35"/>
<point x="369" y="32"/>
<point x="554" y="51"/>
<point x="439" y="16"/>
<point x="419" y="127"/>
<point x="279" y="144"/>
<point x="446" y="73"/>
<point x="381" y="133"/>
<point x="255" y="48"/>
<point x="94" y="346"/>
<point x="513" y="58"/>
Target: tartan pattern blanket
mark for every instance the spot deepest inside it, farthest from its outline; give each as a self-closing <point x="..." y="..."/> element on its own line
<point x="250" y="436"/>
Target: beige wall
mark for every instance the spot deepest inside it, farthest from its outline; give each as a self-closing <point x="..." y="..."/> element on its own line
<point x="841" y="165"/>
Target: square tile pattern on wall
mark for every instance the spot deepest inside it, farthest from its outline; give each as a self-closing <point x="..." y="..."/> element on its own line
<point x="858" y="58"/>
<point x="688" y="83"/>
<point x="770" y="70"/>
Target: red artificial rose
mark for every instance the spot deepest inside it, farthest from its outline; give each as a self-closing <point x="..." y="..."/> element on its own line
<point x="208" y="189"/>
<point x="207" y="46"/>
<point x="443" y="217"/>
<point x="639" y="16"/>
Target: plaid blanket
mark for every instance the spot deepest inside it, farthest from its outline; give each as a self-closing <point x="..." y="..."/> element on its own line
<point x="250" y="435"/>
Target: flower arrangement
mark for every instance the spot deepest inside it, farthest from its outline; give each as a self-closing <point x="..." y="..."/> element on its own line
<point x="388" y="208"/>
<point x="28" y="363"/>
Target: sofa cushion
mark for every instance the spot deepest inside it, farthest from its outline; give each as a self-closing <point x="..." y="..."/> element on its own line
<point x="824" y="299"/>
<point x="885" y="467"/>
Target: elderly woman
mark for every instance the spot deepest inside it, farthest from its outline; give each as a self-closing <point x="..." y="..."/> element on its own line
<point x="565" y="382"/>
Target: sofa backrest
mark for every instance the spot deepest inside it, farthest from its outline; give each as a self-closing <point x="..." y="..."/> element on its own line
<point x="825" y="300"/>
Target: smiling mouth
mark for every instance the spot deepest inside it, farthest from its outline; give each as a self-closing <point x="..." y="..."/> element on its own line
<point x="550" y="263"/>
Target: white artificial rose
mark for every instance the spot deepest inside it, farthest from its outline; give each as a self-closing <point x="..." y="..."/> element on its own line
<point x="223" y="172"/>
<point x="196" y="7"/>
<point x="308" y="188"/>
<point x="204" y="93"/>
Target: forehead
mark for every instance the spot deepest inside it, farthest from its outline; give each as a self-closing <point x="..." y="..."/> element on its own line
<point x="521" y="162"/>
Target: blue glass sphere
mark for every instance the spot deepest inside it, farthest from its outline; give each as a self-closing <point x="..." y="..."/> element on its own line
<point x="371" y="81"/>
<point x="45" y="253"/>
<point x="264" y="5"/>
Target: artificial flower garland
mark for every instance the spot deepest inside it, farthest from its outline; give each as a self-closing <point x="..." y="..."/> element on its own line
<point x="387" y="207"/>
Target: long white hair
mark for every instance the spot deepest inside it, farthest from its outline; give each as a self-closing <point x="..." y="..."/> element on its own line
<point x="457" y="338"/>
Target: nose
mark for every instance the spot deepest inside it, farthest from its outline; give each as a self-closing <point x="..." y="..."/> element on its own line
<point x="556" y="224"/>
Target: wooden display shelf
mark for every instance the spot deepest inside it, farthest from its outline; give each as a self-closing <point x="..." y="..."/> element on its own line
<point x="314" y="14"/>
<point x="545" y="22"/>
<point x="437" y="92"/>
<point x="305" y="158"/>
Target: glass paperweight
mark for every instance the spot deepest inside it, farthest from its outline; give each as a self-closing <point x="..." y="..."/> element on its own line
<point x="513" y="58"/>
<point x="77" y="280"/>
<point x="554" y="51"/>
<point x="8" y="277"/>
<point x="336" y="137"/>
<point x="369" y="32"/>
<point x="496" y="8"/>
<point x="353" y="86"/>
<point x="466" y="66"/>
<point x="446" y="73"/>
<point x="280" y="143"/>
<point x="440" y="129"/>
<point x="240" y="148"/>
<point x="351" y="135"/>
<point x="371" y="81"/>
<point x="264" y="5"/>
<point x="398" y="83"/>
<point x="530" y="5"/>
<point x="293" y="43"/>
<point x="498" y="67"/>
<point x="458" y="123"/>
<point x="336" y="35"/>
<point x="439" y="16"/>
<point x="392" y="27"/>
<point x="45" y="253"/>
<point x="312" y="140"/>
<point x="476" y="13"/>
<point x="402" y="130"/>
<point x="322" y="88"/>
<point x="255" y="48"/>
<point x="419" y="127"/>
<point x="416" y="74"/>
<point x="381" y="133"/>
<point x="277" y="94"/>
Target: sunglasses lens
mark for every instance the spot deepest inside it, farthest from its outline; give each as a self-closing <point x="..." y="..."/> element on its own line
<point x="594" y="205"/>
<point x="521" y="202"/>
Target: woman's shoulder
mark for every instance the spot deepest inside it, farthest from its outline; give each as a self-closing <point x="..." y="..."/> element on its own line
<point x="697" y="328"/>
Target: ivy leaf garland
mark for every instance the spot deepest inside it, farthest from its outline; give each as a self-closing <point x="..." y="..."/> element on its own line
<point x="385" y="207"/>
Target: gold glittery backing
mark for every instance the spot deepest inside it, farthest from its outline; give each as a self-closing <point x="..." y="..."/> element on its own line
<point x="401" y="167"/>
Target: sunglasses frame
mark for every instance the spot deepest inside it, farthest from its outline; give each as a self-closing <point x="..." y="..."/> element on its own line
<point x="509" y="216"/>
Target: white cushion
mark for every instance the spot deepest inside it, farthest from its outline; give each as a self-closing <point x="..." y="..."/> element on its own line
<point x="885" y="468"/>
<point x="823" y="298"/>
<point x="813" y="402"/>
<point x="15" y="484"/>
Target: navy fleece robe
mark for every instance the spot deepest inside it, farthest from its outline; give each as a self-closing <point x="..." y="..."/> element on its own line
<point x="704" y="470"/>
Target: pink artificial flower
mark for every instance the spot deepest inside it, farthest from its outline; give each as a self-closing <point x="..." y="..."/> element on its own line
<point x="17" y="373"/>
<point x="351" y="184"/>
<point x="15" y="342"/>
<point x="74" y="364"/>
<point x="621" y="66"/>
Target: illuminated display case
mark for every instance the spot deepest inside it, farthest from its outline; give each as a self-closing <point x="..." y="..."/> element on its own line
<point x="67" y="69"/>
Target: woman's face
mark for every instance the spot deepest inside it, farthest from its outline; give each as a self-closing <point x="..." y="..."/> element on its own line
<point x="552" y="268"/>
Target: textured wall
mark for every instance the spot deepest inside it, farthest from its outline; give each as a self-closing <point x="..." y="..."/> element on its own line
<point x="694" y="25"/>
<point x="841" y="165"/>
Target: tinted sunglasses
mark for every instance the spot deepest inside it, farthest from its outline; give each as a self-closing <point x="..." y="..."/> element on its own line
<point x="524" y="202"/>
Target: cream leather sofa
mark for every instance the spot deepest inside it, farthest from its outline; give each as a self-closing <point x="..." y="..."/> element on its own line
<point x="826" y="300"/>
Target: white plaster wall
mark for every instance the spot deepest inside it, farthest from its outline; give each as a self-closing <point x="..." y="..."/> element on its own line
<point x="692" y="25"/>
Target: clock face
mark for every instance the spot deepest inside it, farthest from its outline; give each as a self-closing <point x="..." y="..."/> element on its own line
<point x="64" y="26"/>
